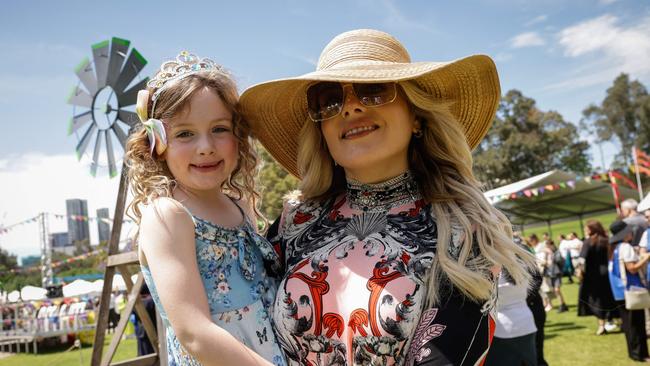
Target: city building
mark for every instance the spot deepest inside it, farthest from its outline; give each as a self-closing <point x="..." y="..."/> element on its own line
<point x="78" y="228"/>
<point x="60" y="243"/>
<point x="103" y="225"/>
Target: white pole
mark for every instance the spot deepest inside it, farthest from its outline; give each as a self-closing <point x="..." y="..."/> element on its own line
<point x="638" y="176"/>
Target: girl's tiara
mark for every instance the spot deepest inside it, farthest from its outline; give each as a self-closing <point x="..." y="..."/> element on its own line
<point x="184" y="65"/>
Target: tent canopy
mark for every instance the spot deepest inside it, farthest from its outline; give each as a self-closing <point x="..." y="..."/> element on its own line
<point x="581" y="197"/>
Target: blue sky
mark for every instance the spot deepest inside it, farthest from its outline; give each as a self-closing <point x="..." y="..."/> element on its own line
<point x="564" y="54"/>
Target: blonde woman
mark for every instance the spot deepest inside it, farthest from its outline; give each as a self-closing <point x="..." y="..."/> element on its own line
<point x="391" y="251"/>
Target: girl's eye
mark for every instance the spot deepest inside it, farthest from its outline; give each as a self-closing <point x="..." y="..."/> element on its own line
<point x="219" y="129"/>
<point x="183" y="134"/>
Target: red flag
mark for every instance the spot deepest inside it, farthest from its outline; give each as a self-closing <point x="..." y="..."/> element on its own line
<point x="625" y="179"/>
<point x="642" y="158"/>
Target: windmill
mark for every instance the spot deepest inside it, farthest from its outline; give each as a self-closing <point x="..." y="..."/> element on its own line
<point x="101" y="98"/>
<point x="107" y="88"/>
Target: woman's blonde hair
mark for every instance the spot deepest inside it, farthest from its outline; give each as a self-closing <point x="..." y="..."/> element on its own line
<point x="149" y="175"/>
<point x="441" y="162"/>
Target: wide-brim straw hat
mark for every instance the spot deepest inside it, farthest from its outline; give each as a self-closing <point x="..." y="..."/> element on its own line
<point x="277" y="109"/>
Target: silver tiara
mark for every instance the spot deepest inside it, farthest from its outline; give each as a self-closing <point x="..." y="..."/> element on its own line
<point x="184" y="65"/>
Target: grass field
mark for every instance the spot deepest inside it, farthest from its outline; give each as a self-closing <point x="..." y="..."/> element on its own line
<point x="60" y="357"/>
<point x="570" y="226"/>
<point x="570" y="341"/>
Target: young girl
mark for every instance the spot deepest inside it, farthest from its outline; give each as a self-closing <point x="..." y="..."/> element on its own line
<point x="191" y="171"/>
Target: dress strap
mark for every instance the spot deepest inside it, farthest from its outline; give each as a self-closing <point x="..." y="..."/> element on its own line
<point x="188" y="212"/>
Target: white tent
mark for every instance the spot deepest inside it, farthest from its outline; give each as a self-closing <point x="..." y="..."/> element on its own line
<point x="98" y="285"/>
<point x="13" y="296"/>
<point x="118" y="283"/>
<point x="28" y="293"/>
<point x="77" y="288"/>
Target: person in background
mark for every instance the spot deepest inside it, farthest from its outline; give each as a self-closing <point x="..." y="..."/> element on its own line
<point x="546" y="290"/>
<point x="570" y="250"/>
<point x="514" y="337"/>
<point x="553" y="270"/>
<point x="631" y="217"/>
<point x="144" y="344"/>
<point x="633" y="321"/>
<point x="535" y="302"/>
<point x="595" y="295"/>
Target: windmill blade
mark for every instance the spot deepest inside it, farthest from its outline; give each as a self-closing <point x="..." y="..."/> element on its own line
<point x="128" y="117"/>
<point x="112" y="171"/>
<point x="119" y="47"/>
<point x="98" y="147"/>
<point x="85" y="73"/>
<point x="100" y="58"/>
<point x="131" y="68"/>
<point x="83" y="143"/>
<point x="79" y="120"/>
<point x="130" y="97"/>
<point x="80" y="98"/>
<point x="121" y="136"/>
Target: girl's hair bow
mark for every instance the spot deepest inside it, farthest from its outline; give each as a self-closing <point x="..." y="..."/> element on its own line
<point x="154" y="127"/>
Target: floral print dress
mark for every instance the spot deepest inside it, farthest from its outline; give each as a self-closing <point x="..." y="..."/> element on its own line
<point x="231" y="262"/>
<point x="355" y="285"/>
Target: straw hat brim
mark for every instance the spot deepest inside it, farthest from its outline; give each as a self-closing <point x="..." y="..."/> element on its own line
<point x="277" y="109"/>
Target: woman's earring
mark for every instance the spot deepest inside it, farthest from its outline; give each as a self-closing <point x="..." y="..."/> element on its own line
<point x="417" y="133"/>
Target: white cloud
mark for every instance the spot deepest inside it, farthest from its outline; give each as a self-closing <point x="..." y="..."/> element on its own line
<point x="615" y="48"/>
<point x="527" y="39"/>
<point x="33" y="183"/>
<point x="536" y="20"/>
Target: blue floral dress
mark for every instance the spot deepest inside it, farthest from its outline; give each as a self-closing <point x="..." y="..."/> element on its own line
<point x="231" y="263"/>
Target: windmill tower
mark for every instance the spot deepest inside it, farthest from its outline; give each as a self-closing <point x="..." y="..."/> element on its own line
<point x="101" y="118"/>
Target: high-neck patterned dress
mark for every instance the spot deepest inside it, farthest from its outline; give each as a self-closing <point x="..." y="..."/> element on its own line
<point x="354" y="288"/>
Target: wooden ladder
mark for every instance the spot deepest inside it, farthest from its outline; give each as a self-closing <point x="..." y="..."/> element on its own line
<point x="121" y="262"/>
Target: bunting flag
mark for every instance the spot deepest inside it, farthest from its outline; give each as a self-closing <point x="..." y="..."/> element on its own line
<point x="8" y="228"/>
<point x="613" y="177"/>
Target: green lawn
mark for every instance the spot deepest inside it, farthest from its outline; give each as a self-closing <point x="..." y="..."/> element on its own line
<point x="571" y="340"/>
<point x="60" y="357"/>
<point x="570" y="226"/>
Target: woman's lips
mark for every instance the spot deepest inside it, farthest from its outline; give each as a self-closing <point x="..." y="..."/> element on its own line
<point x="358" y="132"/>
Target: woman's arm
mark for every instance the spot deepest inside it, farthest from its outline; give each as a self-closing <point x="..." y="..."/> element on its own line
<point x="167" y="241"/>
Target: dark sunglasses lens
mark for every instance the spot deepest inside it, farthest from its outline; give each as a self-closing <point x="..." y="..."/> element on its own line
<point x="375" y="94"/>
<point x="324" y="100"/>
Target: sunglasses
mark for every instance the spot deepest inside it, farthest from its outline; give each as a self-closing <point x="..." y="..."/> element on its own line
<point x="325" y="100"/>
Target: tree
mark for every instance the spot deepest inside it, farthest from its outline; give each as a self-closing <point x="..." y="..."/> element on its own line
<point x="274" y="183"/>
<point x="525" y="141"/>
<point x="624" y="115"/>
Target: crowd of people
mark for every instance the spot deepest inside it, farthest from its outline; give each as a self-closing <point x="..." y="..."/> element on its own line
<point x="606" y="264"/>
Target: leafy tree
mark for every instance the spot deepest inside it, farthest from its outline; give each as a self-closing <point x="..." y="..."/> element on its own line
<point x="274" y="183"/>
<point x="624" y="116"/>
<point x="525" y="141"/>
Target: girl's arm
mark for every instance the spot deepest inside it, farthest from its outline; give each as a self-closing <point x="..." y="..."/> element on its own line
<point x="167" y="240"/>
